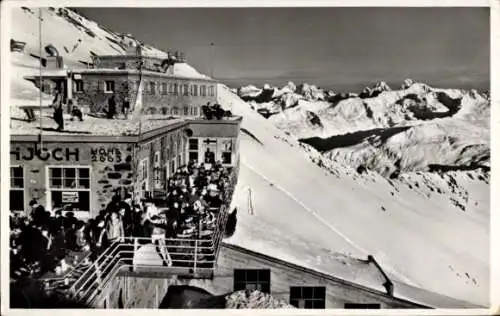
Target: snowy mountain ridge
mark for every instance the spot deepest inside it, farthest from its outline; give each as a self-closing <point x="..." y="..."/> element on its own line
<point x="317" y="207"/>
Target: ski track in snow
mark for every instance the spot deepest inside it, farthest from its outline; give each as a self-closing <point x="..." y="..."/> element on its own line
<point x="392" y="270"/>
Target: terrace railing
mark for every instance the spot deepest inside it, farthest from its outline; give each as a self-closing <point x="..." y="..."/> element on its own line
<point x="193" y="257"/>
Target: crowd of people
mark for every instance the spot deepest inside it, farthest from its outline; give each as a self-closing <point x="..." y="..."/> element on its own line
<point x="41" y="242"/>
<point x="214" y="111"/>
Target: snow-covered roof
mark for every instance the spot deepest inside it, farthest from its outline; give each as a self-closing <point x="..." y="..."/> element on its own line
<point x="50" y="73"/>
<point x="91" y="126"/>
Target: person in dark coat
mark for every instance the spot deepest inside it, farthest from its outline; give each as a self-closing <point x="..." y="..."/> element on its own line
<point x="74" y="111"/>
<point x="57" y="104"/>
<point x="99" y="238"/>
<point x="125" y="107"/>
<point x="209" y="157"/>
<point x="114" y="205"/>
<point x="38" y="213"/>
<point x="111" y="111"/>
<point x="231" y="224"/>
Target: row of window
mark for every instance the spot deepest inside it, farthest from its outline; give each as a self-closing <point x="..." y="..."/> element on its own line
<point x="309" y="297"/>
<point x="164" y="88"/>
<point x="192" y="110"/>
<point x="65" y="186"/>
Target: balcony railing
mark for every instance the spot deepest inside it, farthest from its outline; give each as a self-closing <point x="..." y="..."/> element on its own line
<point x="195" y="258"/>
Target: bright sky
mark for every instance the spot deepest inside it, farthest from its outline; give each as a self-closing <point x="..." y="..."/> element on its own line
<point x="340" y="48"/>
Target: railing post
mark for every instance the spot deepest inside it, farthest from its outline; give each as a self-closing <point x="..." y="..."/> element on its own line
<point x="156" y="296"/>
<point x="195" y="254"/>
<point x="99" y="276"/>
<point x="136" y="246"/>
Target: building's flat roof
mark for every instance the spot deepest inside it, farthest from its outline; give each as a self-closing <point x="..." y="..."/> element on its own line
<point x="49" y="73"/>
<point x="106" y="129"/>
<point x="130" y="57"/>
<point x="91" y="126"/>
<point x="62" y="73"/>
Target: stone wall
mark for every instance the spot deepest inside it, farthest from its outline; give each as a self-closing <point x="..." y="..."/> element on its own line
<point x="170" y="147"/>
<point x="132" y="292"/>
<point x="111" y="170"/>
<point x="94" y="98"/>
<point x="160" y="100"/>
<point x="116" y="175"/>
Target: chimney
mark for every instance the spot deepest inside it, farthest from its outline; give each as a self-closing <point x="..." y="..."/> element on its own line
<point x="55" y="62"/>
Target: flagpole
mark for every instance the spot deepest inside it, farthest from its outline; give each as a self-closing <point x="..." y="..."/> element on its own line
<point x="40" y="70"/>
<point x="139" y="88"/>
<point x="213" y="60"/>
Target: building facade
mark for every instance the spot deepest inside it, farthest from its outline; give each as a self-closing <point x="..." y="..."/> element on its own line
<point x="163" y="92"/>
<point x="85" y="171"/>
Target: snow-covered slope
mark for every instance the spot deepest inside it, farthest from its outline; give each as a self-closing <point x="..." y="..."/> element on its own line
<point x="314" y="212"/>
<point x="75" y="38"/>
<point x="311" y="210"/>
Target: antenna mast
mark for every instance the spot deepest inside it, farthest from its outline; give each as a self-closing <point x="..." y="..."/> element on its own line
<point x="40" y="74"/>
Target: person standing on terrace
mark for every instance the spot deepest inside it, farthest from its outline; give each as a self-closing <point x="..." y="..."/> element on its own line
<point x="57" y="104"/>
<point x="114" y="228"/>
<point x="111" y="111"/>
<point x="125" y="107"/>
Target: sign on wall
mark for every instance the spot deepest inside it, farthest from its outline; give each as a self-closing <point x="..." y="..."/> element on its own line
<point x="58" y="153"/>
<point x="69" y="197"/>
<point x="104" y="154"/>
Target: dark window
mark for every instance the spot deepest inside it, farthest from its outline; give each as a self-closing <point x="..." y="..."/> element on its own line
<point x="152" y="87"/>
<point x="164" y="88"/>
<point x="252" y="279"/>
<point x="194" y="90"/>
<point x="203" y="91"/>
<point x="311" y="297"/>
<point x="193" y="144"/>
<point x="186" y="110"/>
<point x="193" y="149"/>
<point x="193" y="156"/>
<point x="78" y="85"/>
<point x="172" y="166"/>
<point x="16" y="189"/>
<point x="226" y="158"/>
<point x="16" y="200"/>
<point x="70" y="186"/>
<point x="175" y="90"/>
<point x="16" y="178"/>
<point x="361" y="306"/>
<point x="186" y="89"/>
<point x="211" y="91"/>
<point x="109" y="86"/>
